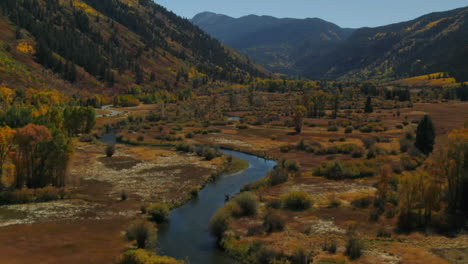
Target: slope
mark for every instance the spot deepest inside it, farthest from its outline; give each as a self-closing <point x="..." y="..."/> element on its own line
<point x="109" y="46"/>
<point x="436" y="42"/>
<point x="275" y="43"/>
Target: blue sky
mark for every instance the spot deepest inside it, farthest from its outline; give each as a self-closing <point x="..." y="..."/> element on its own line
<point x="345" y="13"/>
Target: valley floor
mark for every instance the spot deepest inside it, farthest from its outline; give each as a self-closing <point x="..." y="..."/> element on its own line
<point x="89" y="227"/>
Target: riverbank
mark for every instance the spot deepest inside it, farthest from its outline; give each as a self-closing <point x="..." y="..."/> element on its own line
<point x="97" y="215"/>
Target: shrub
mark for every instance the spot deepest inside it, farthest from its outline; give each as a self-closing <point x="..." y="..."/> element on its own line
<point x="366" y="129"/>
<point x="409" y="163"/>
<point x="375" y="215"/>
<point x="291" y="165"/>
<point x="194" y="191"/>
<point x="189" y="135"/>
<point x="143" y="209"/>
<point x="300" y="256"/>
<point x="349" y="130"/>
<point x="110" y="150"/>
<point x="159" y="212"/>
<point x="184" y="147"/>
<point x="301" y="145"/>
<point x="332" y="128"/>
<point x="353" y="247"/>
<point x="274" y="203"/>
<point x="329" y="246"/>
<point x="247" y="202"/>
<point x="220" y="222"/>
<point x="123" y="196"/>
<point x="141" y="256"/>
<point x="296" y="201"/>
<point x="86" y="138"/>
<point x="334" y="203"/>
<point x="273" y="222"/>
<point x="338" y="170"/>
<point x="405" y="144"/>
<point x="286" y="148"/>
<point x="382" y="232"/>
<point x="408" y="221"/>
<point x="369" y="142"/>
<point x="358" y="152"/>
<point x="141" y="232"/>
<point x="363" y="202"/>
<point x="277" y="176"/>
<point x="242" y="126"/>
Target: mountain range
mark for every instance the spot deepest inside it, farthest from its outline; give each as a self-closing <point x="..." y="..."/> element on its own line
<point x="314" y="48"/>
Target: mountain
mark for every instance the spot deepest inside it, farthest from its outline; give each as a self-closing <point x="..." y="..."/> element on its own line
<point x="277" y="44"/>
<point x="110" y="46"/>
<point x="317" y="49"/>
<point x="436" y="42"/>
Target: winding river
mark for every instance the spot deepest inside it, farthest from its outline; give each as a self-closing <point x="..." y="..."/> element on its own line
<point x="187" y="236"/>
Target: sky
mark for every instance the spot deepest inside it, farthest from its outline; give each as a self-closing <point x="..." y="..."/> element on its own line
<point x="345" y="13"/>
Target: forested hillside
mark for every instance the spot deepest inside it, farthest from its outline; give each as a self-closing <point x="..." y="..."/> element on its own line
<point x="275" y="43"/>
<point x="317" y="49"/>
<point x="110" y="45"/>
<point x="436" y="42"/>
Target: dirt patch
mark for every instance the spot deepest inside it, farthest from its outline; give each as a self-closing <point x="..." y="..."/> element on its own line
<point x="119" y="163"/>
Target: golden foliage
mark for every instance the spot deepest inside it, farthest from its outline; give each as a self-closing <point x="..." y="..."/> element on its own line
<point x="141" y="256"/>
<point x="25" y="47"/>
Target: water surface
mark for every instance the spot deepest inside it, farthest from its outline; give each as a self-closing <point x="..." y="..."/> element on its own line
<point x="187" y="235"/>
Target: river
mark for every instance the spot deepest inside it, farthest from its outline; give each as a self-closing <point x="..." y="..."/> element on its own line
<point x="187" y="235"/>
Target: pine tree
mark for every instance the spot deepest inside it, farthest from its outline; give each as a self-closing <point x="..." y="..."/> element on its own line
<point x="368" y="107"/>
<point x="425" y="135"/>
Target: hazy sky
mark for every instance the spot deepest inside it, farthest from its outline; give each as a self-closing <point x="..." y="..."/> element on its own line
<point x="345" y="13"/>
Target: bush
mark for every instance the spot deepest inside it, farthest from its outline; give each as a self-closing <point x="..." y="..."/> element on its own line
<point x="406" y="144"/>
<point x="349" y="130"/>
<point x="159" y="212"/>
<point x="194" y="191"/>
<point x="332" y="128"/>
<point x="143" y="209"/>
<point x="286" y="148"/>
<point x="296" y="201"/>
<point x="274" y="203"/>
<point x="247" y="202"/>
<point x="407" y="221"/>
<point x="189" y="135"/>
<point x="110" y="150"/>
<point x="141" y="256"/>
<point x="358" y="152"/>
<point x="301" y="145"/>
<point x="353" y="247"/>
<point x="366" y="129"/>
<point x="363" y="202"/>
<point x="369" y="142"/>
<point x="273" y="222"/>
<point x="337" y="170"/>
<point x="220" y="222"/>
<point x="291" y="165"/>
<point x="300" y="256"/>
<point x="141" y="232"/>
<point x="86" y="138"/>
<point x="382" y="232"/>
<point x="123" y="196"/>
<point x="277" y="176"/>
<point x="329" y="246"/>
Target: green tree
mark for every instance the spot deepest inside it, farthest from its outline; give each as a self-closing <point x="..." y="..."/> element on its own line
<point x="425" y="135"/>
